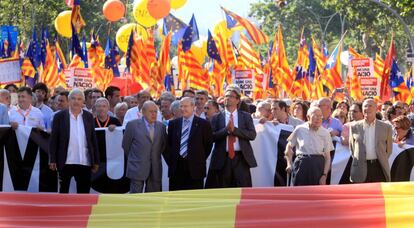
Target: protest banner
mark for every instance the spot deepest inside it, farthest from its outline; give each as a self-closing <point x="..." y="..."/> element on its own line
<point x="364" y="68"/>
<point x="244" y="79"/>
<point x="79" y="78"/>
<point x="10" y="71"/>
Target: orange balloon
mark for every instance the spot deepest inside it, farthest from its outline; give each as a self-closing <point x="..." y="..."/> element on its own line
<point x="113" y="10"/>
<point x="158" y="8"/>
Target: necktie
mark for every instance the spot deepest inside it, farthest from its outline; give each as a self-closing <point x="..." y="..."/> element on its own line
<point x="231" y="140"/>
<point x="185" y="132"/>
<point x="151" y="132"/>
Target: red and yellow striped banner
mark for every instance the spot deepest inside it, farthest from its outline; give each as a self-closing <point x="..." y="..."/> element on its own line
<point x="364" y="205"/>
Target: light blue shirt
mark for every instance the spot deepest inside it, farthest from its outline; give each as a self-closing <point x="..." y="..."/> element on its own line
<point x="332" y="123"/>
<point x="4" y="115"/>
<point x="148" y="125"/>
<point x="190" y="123"/>
<point x="47" y="115"/>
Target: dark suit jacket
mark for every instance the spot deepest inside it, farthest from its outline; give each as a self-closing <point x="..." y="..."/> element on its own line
<point x="245" y="132"/>
<point x="59" y="138"/>
<point x="199" y="146"/>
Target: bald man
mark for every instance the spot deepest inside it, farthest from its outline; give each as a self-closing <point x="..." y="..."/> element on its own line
<point x="144" y="141"/>
<point x="370" y="143"/>
<point x="135" y="112"/>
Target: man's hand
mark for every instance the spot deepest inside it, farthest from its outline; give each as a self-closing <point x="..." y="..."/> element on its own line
<point x="52" y="166"/>
<point x="230" y="126"/>
<point x="263" y="120"/>
<point x="14" y="125"/>
<point x="289" y="168"/>
<point x="322" y="180"/>
<point x="111" y="127"/>
<point x="95" y="168"/>
<point x="334" y="133"/>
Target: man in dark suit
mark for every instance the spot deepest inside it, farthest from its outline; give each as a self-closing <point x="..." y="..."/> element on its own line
<point x="233" y="155"/>
<point x="144" y="141"/>
<point x="73" y="149"/>
<point x="189" y="140"/>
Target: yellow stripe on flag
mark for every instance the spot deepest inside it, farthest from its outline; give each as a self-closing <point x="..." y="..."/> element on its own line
<point x="399" y="204"/>
<point x="199" y="208"/>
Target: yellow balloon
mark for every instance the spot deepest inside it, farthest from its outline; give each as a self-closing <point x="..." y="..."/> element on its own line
<point x="123" y="33"/>
<point x="142" y="15"/>
<point x="62" y="24"/>
<point x="176" y="4"/>
<point x="122" y="36"/>
<point x="199" y="54"/>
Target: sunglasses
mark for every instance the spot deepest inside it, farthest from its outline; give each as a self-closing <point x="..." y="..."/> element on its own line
<point x="206" y="108"/>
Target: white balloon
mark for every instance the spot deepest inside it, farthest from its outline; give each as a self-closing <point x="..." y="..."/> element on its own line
<point x="344" y="57"/>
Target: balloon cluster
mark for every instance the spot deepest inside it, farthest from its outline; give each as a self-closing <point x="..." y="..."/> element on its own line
<point x="147" y="12"/>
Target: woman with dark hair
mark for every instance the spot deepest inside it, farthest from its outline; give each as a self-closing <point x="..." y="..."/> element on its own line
<point x="344" y="106"/>
<point x="299" y="110"/>
<point x="404" y="134"/>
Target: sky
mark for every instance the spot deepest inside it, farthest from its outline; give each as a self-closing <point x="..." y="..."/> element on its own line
<point x="208" y="12"/>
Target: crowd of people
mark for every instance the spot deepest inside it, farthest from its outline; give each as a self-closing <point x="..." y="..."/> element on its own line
<point x="186" y="130"/>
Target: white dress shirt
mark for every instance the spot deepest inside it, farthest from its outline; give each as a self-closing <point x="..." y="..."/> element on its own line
<point x="369" y="140"/>
<point x="31" y="117"/>
<point x="236" y="124"/>
<point x="78" y="147"/>
<point x="134" y="113"/>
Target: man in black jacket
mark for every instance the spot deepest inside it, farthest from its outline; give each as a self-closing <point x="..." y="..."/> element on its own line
<point x="73" y="149"/>
<point x="189" y="141"/>
<point x="233" y="130"/>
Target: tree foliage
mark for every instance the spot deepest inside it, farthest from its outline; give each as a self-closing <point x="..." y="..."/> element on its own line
<point x="369" y="25"/>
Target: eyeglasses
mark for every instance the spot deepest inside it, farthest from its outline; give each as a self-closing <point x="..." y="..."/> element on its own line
<point x="206" y="108"/>
<point x="230" y="96"/>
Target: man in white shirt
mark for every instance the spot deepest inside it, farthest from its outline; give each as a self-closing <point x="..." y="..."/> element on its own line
<point x="41" y="91"/>
<point x="73" y="149"/>
<point x="135" y="112"/>
<point x="24" y="113"/>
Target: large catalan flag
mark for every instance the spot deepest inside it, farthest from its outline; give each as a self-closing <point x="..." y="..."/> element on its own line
<point x="378" y="205"/>
<point x="258" y="36"/>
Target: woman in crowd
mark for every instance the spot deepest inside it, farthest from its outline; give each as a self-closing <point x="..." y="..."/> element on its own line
<point x="119" y="110"/>
<point x="340" y="115"/>
<point x="102" y="118"/>
<point x="344" y="106"/>
<point x="404" y="134"/>
<point x="299" y="110"/>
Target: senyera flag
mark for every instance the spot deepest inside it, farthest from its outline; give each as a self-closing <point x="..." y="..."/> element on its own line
<point x="360" y="205"/>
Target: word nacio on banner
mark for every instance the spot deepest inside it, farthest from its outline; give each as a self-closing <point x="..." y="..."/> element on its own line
<point x="244" y="79"/>
<point x="10" y="71"/>
<point x="364" y="68"/>
<point x="79" y="78"/>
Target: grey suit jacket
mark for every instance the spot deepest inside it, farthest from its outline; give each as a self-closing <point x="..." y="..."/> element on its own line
<point x="144" y="156"/>
<point x="383" y="148"/>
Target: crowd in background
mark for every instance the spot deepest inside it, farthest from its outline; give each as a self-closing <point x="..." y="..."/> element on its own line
<point x="184" y="130"/>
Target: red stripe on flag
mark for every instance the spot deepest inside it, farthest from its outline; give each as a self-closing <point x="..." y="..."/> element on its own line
<point x="316" y="206"/>
<point x="54" y="210"/>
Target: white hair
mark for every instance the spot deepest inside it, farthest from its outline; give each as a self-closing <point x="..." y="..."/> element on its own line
<point x="147" y="104"/>
<point x="175" y="106"/>
<point x="102" y="100"/>
<point x="312" y="110"/>
<point x="263" y="104"/>
<point x="4" y="92"/>
<point x="184" y="99"/>
<point x="76" y="91"/>
<point x="119" y="106"/>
